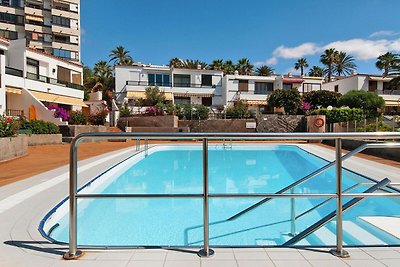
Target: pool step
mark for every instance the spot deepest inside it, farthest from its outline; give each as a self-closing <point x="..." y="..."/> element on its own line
<point x="359" y="233"/>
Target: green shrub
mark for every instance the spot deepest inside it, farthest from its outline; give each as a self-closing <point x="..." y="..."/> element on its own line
<point x="40" y="127"/>
<point x="289" y="99"/>
<point x="371" y="103"/>
<point x="99" y="118"/>
<point x="192" y="112"/>
<point x="77" y="118"/>
<point x="341" y="114"/>
<point x="124" y="112"/>
<point x="8" y="126"/>
<point x="154" y="96"/>
<point x="322" y="98"/>
<point x="239" y="110"/>
<point x="382" y="127"/>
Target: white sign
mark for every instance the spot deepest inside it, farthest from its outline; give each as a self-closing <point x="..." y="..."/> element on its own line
<point x="251" y="125"/>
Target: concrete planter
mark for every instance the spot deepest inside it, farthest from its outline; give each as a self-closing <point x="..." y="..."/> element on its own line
<point x="13" y="147"/>
<point x="44" y="139"/>
<point x="70" y="131"/>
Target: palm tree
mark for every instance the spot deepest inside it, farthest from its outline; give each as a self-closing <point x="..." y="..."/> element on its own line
<point x="229" y="67"/>
<point x="301" y="63"/>
<point x="103" y="71"/>
<point x="217" y="64"/>
<point x="328" y="59"/>
<point x="175" y="62"/>
<point x="244" y="66"/>
<point x="194" y="64"/>
<point x="120" y="56"/>
<point x="387" y="62"/>
<point x="344" y="64"/>
<point x="316" y="71"/>
<point x="265" y="70"/>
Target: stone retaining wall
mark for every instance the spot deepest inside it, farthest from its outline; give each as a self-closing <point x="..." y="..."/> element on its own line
<point x="149" y="121"/>
<point x="281" y="123"/>
<point x="13" y="147"/>
<point x="217" y="126"/>
<point x="44" y="139"/>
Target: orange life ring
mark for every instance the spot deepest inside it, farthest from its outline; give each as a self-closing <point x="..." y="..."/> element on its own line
<point x="318" y="122"/>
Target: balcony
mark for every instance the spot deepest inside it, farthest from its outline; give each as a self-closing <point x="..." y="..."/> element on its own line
<point x="14" y="72"/>
<point x="14" y="113"/>
<point x="45" y="79"/>
<point x="388" y="92"/>
<point x="180" y="85"/>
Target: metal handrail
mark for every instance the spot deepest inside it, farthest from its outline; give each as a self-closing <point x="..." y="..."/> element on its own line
<point x="313" y="174"/>
<point x="73" y="251"/>
<point x="332" y="215"/>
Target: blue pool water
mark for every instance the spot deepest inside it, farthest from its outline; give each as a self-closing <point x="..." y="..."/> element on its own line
<point x="240" y="169"/>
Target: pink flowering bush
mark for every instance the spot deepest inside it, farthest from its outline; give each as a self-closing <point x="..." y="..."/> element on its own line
<point x="59" y="113"/>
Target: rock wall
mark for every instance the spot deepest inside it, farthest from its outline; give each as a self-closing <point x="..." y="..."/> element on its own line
<point x="44" y="139"/>
<point x="281" y="123"/>
<point x="218" y="126"/>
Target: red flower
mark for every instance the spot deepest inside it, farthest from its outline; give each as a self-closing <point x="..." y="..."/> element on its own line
<point x="8" y="120"/>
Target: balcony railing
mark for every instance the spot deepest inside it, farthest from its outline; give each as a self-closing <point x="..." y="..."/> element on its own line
<point x="14" y="113"/>
<point x="190" y="85"/>
<point x="388" y="92"/>
<point x="45" y="79"/>
<point x="14" y="72"/>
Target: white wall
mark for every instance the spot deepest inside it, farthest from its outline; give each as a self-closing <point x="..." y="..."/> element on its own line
<point x="2" y="86"/>
<point x="347" y="84"/>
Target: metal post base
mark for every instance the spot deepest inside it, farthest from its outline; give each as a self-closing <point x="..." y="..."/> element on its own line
<point x="340" y="254"/>
<point x="203" y="253"/>
<point x="69" y="256"/>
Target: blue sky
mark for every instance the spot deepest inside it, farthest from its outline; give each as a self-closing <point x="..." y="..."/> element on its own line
<point x="272" y="32"/>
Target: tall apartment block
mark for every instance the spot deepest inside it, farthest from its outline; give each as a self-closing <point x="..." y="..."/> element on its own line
<point x="51" y="26"/>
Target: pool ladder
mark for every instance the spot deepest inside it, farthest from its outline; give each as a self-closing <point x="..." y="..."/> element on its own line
<point x="226" y="145"/>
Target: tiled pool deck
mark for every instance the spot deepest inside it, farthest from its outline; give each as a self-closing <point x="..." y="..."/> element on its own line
<point x="23" y="204"/>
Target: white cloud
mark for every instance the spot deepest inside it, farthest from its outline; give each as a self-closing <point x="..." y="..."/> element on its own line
<point x="380" y="34"/>
<point x="361" y="49"/>
<point x="270" y="62"/>
<point x="297" y="51"/>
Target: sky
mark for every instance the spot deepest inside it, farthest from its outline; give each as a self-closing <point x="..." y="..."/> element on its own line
<point x="271" y="32"/>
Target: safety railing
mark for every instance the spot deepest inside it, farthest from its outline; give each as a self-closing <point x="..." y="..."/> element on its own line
<point x="206" y="251"/>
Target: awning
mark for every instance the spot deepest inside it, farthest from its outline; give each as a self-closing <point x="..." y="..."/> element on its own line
<point x="392" y="103"/>
<point x="52" y="98"/>
<point x="13" y="90"/>
<point x="193" y="94"/>
<point x="378" y="79"/>
<point x="142" y="94"/>
<point x="256" y="102"/>
<point x="292" y="80"/>
<point x="34" y="18"/>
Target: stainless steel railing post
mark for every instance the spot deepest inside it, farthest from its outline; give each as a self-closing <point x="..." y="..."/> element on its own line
<point x="292" y="215"/>
<point x="73" y="252"/>
<point x="339" y="251"/>
<point x="205" y="251"/>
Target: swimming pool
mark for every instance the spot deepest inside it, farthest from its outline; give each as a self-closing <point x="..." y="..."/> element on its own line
<point x="234" y="170"/>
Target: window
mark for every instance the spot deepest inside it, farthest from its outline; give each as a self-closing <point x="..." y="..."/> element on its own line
<point x="12" y="3"/>
<point x="9" y="34"/>
<point x="159" y="79"/>
<point x="287" y="86"/>
<point x="63" y="75"/>
<point x="206" y="80"/>
<point x="34" y="5"/>
<point x="336" y="89"/>
<point x="261" y="88"/>
<point x="243" y="85"/>
<point x="372" y="86"/>
<point x="385" y="84"/>
<point x="181" y="100"/>
<point x="35" y="36"/>
<point x="65" y="54"/>
<point x="308" y="87"/>
<point x="181" y="80"/>
<point x="11" y="18"/>
<point x="61" y="38"/>
<point x="61" y="21"/>
<point x="32" y="68"/>
<point x="206" y="101"/>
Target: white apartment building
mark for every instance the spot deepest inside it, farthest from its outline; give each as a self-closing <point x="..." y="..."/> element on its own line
<point x="32" y="80"/>
<point x="254" y="90"/>
<point x="190" y="86"/>
<point x="207" y="87"/>
<point x="51" y="26"/>
<point x="367" y="82"/>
